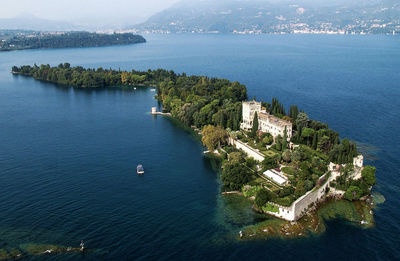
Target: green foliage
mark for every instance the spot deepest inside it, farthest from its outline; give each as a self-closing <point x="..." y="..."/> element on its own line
<point x="278" y="145"/>
<point x="285" y="201"/>
<point x="307" y="133"/>
<point x="344" y="152"/>
<point x="250" y="191"/>
<point x="262" y="197"/>
<point x="269" y="207"/>
<point x="277" y="108"/>
<point x="302" y="121"/>
<point x="300" y="189"/>
<point x="213" y="137"/>
<point x="286" y="156"/>
<point x="284" y="141"/>
<point x="68" y="40"/>
<point x="288" y="170"/>
<point x="295" y="156"/>
<point x="368" y="175"/>
<point x="267" y="139"/>
<point x="195" y="100"/>
<point x="269" y="163"/>
<point x="254" y="128"/>
<point x="293" y="112"/>
<point x="235" y="175"/>
<point x="251" y="162"/>
<point x="236" y="157"/>
<point x="353" y="193"/>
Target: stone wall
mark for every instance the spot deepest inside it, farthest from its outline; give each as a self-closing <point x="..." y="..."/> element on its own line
<point x="247" y="149"/>
<point x="300" y="206"/>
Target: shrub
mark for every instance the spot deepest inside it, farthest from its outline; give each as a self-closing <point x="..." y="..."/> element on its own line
<point x="285" y="201"/>
<point x="288" y="170"/>
<point x="271" y="208"/>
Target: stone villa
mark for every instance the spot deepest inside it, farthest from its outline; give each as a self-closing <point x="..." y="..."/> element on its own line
<point x="266" y="122"/>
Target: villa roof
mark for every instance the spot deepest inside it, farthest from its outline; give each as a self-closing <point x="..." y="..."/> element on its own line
<point x="273" y="119"/>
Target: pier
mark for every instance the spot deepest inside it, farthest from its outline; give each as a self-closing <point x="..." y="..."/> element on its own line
<point x="155" y="112"/>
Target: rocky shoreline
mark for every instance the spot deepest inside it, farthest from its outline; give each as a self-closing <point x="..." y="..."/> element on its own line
<point x="359" y="213"/>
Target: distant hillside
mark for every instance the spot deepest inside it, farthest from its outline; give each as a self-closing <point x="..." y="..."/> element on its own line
<point x="30" y="22"/>
<point x="277" y="16"/>
<point x="20" y="40"/>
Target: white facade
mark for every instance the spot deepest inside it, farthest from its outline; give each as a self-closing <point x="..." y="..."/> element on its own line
<point x="358" y="161"/>
<point x="248" y="109"/>
<point x="266" y="122"/>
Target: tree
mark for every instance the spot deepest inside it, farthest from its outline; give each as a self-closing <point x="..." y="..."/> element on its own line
<point x="235" y="175"/>
<point x="301" y="121"/>
<point x="368" y="175"/>
<point x="284" y="142"/>
<point x="213" y="137"/>
<point x="286" y="156"/>
<point x="307" y="133"/>
<point x="262" y="198"/>
<point x="300" y="188"/>
<point x="353" y="193"/>
<point x="268" y="139"/>
<point x="324" y="143"/>
<point x="295" y="156"/>
<point x="236" y="157"/>
<point x="278" y="144"/>
<point x="269" y="163"/>
<point x="293" y="112"/>
<point x="250" y="162"/>
<point x="314" y="142"/>
<point x="254" y="128"/>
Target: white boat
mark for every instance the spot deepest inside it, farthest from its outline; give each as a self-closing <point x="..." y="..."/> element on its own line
<point x="140" y="169"/>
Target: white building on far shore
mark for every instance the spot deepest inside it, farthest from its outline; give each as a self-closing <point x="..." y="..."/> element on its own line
<point x="266" y="122"/>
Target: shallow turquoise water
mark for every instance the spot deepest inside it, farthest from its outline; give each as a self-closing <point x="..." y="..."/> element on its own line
<point x="68" y="156"/>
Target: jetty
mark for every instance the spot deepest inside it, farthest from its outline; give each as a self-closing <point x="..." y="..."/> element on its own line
<point x="155" y="112"/>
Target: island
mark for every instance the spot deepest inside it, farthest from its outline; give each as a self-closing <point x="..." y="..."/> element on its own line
<point x="21" y="40"/>
<point x="286" y="163"/>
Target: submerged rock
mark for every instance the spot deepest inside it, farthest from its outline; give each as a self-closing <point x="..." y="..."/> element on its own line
<point x="10" y="254"/>
<point x="44" y="249"/>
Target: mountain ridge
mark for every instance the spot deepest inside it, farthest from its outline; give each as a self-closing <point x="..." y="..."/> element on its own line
<point x="272" y="16"/>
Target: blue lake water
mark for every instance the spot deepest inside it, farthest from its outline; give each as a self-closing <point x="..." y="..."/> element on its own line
<point x="68" y="156"/>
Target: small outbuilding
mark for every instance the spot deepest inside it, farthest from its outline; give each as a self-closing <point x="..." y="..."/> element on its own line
<point x="277" y="176"/>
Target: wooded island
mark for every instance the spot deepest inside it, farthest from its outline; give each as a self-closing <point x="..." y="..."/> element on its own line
<point x="285" y="171"/>
<point x="38" y="40"/>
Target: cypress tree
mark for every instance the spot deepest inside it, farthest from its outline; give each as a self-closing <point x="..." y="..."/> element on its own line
<point x="254" y="128"/>
<point x="314" y="141"/>
<point x="336" y="140"/>
<point x="278" y="145"/>
<point x="284" y="142"/>
<point x="349" y="159"/>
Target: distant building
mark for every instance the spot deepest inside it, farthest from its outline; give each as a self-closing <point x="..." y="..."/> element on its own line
<point x="266" y="122"/>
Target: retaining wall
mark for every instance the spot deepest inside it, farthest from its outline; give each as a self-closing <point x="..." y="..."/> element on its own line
<point x="247" y="149"/>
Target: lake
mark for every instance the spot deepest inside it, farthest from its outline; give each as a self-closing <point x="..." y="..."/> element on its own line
<point x="68" y="156"/>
